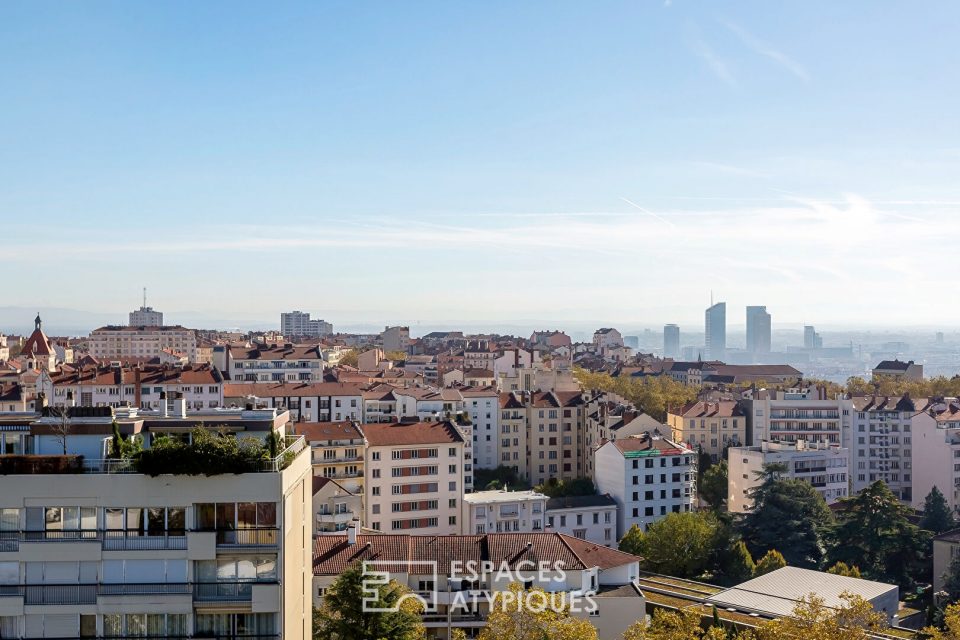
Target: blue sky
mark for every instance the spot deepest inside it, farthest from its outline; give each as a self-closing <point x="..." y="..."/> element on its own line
<point x="483" y="162"/>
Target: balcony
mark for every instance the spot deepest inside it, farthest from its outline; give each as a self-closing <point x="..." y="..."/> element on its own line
<point x="258" y="537"/>
<point x="225" y="591"/>
<point x="116" y="540"/>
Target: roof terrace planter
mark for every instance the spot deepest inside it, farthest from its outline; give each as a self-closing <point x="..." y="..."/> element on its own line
<point x="40" y="464"/>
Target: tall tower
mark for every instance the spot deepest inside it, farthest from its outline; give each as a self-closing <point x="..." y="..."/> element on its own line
<point x="671" y="341"/>
<point x="715" y="332"/>
<point x="758" y="330"/>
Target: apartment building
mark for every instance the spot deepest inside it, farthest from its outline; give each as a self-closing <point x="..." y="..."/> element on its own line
<point x="648" y="476"/>
<point x="336" y="451"/>
<point x="590" y="518"/>
<point x="482" y="404"/>
<point x="149" y="387"/>
<point x="416" y="477"/>
<point x="14" y="398"/>
<point x="608" y="575"/>
<point x="824" y="466"/>
<point x="123" y="554"/>
<point x="555" y="426"/>
<point x="145" y="317"/>
<point x="335" y="506"/>
<point x="270" y="363"/>
<point x="710" y="427"/>
<point x="299" y="324"/>
<point x="511" y="443"/>
<point x="503" y="511"/>
<point x="308" y="402"/>
<point x="898" y="370"/>
<point x="607" y="338"/>
<point x="609" y="417"/>
<point x="395" y="338"/>
<point x="936" y="451"/>
<point x="141" y="343"/>
<point x="882" y="442"/>
<point x="798" y="414"/>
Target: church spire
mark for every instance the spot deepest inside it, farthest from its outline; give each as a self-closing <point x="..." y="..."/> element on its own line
<point x="37" y="321"/>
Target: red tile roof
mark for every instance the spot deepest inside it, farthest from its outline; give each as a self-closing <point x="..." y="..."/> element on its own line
<point x="408" y="433"/>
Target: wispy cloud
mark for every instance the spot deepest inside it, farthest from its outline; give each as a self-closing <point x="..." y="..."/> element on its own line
<point x="717" y="64"/>
<point x="731" y="169"/>
<point x="759" y="46"/>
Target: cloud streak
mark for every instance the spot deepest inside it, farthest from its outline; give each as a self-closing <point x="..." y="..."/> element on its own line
<point x="715" y="63"/>
<point x="762" y="48"/>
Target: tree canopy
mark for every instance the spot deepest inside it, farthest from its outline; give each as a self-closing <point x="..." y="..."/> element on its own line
<point x="533" y="615"/>
<point x="557" y="488"/>
<point x="875" y="535"/>
<point x="937" y="516"/>
<point x="654" y="395"/>
<point x="681" y="544"/>
<point x="342" y="615"/>
<point x="788" y="515"/>
<point x="713" y="486"/>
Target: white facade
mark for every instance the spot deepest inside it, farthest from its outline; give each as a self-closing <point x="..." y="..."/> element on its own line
<point x="800" y="416"/>
<point x="590" y="518"/>
<point x="484" y="410"/>
<point x="146" y="317"/>
<point x="882" y="442"/>
<point x="395" y="338"/>
<point x="825" y="467"/>
<point x="121" y="555"/>
<point x="936" y="453"/>
<point x="298" y="323"/>
<point x="503" y="512"/>
<point x="648" y="477"/>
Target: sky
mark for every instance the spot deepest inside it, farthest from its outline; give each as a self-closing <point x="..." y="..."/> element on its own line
<point x="483" y="163"/>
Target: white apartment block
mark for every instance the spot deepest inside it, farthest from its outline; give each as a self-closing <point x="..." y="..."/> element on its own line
<point x="415" y="477"/>
<point x="141" y="343"/>
<point x="335" y="506"/>
<point x="146" y="317"/>
<point x="606" y="339"/>
<point x="108" y="552"/>
<point x="308" y="402"/>
<point x="270" y="363"/>
<point x="590" y="518"/>
<point x="482" y="404"/>
<point x="503" y="511"/>
<point x="882" y="442"/>
<point x="824" y="466"/>
<point x="299" y="324"/>
<point x="936" y="451"/>
<point x="648" y="476"/>
<point x="149" y="387"/>
<point x="798" y="414"/>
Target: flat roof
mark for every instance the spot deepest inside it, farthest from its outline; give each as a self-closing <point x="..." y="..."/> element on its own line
<point x="777" y="592"/>
<point x="497" y="495"/>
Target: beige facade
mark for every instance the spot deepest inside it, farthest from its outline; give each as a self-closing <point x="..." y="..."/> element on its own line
<point x="115" y="342"/>
<point x="709" y="426"/>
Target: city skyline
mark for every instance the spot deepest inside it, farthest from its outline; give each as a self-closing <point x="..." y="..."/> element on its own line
<point x="333" y="147"/>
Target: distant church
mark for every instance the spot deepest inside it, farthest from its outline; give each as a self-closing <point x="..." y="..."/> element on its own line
<point x="37" y="352"/>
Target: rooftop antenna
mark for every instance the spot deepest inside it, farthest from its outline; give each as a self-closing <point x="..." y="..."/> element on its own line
<point x="144" y="297"/>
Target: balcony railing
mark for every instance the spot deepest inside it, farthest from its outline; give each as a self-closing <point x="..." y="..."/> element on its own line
<point x="118" y="540"/>
<point x="258" y="537"/>
<point x="77" y="594"/>
<point x="224" y="591"/>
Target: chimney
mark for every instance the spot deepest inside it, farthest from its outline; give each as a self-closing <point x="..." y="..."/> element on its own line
<point x="163" y="404"/>
<point x="352" y="531"/>
<point x="179" y="405"/>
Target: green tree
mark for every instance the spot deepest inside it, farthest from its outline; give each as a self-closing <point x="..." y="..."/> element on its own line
<point x="501" y="477"/>
<point x="632" y="541"/>
<point x="842" y="569"/>
<point x="874" y="534"/>
<point x="937" y="516"/>
<point x="713" y="486"/>
<point x="342" y="616"/>
<point x="556" y="488"/>
<point x="788" y="515"/>
<point x="771" y="561"/>
<point x="681" y="544"/>
<point x="349" y="358"/>
<point x="738" y="565"/>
